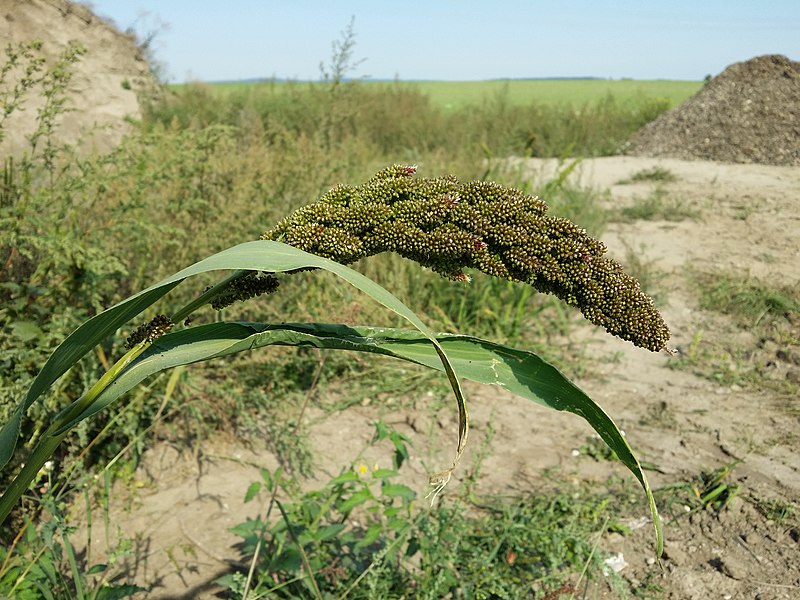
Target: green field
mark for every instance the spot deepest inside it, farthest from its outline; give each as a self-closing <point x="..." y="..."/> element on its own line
<point x="457" y="94"/>
<point x="454" y="94"/>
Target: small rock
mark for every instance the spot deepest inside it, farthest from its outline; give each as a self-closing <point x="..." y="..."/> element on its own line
<point x="614" y="563"/>
<point x="634" y="524"/>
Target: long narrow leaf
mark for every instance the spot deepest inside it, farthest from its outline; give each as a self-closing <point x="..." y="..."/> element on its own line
<point x="71" y="350"/>
<point x="519" y="371"/>
<point x="251" y="256"/>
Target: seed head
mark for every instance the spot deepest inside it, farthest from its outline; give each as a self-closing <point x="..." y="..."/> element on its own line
<point x="448" y="226"/>
<point x="249" y="286"/>
<point x="149" y="331"/>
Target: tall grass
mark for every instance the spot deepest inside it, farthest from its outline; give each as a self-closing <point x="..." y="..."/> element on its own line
<point x="402" y="121"/>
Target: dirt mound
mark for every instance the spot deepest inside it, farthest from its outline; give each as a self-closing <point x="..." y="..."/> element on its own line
<point x="108" y="81"/>
<point x="749" y="113"/>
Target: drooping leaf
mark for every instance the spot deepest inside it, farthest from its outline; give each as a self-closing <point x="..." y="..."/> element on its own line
<point x="518" y="371"/>
<point x="265" y="256"/>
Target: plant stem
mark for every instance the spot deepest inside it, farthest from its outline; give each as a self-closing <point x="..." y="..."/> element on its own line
<point x="72" y="414"/>
<point x="58" y="430"/>
<point x="207" y="296"/>
<point x="43" y="451"/>
<point x="66" y="419"/>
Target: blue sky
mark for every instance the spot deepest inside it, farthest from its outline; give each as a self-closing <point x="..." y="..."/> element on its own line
<point x="461" y="39"/>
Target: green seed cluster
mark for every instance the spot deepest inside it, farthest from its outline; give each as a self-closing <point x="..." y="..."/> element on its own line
<point x="449" y="226"/>
<point x="249" y="286"/>
<point x="150" y="331"/>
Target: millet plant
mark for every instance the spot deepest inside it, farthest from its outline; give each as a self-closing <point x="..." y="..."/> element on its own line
<point x="442" y="224"/>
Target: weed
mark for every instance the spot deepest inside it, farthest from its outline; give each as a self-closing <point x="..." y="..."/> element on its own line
<point x="658" y="174"/>
<point x="776" y="509"/>
<point x="42" y="562"/>
<point x="710" y="490"/>
<point x="401" y="120"/>
<point x="729" y="364"/>
<point x="747" y="299"/>
<point x="649" y="589"/>
<point x="761" y="348"/>
<point x="362" y="536"/>
<point x="595" y="448"/>
<point x="659" y="205"/>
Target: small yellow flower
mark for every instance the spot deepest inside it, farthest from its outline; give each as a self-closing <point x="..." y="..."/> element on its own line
<point x="362" y="470"/>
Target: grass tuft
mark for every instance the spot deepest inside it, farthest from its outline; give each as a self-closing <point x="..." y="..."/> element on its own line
<point x="747" y="299"/>
<point x="659" y="205"/>
<point x="657" y="174"/>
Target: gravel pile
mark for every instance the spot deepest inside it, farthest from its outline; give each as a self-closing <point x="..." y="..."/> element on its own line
<point x="750" y="113"/>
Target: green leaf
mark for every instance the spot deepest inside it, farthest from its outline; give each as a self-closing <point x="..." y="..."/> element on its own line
<point x="116" y="592"/>
<point x="259" y="255"/>
<point x="397" y="490"/>
<point x="252" y="490"/>
<point x="383" y="473"/>
<point x="371" y="535"/>
<point x="345" y="477"/>
<point x="99" y="568"/>
<point x="381" y="430"/>
<point x="248" y="529"/>
<point x="26" y="331"/>
<point x="518" y="371"/>
<point x="356" y="499"/>
<point x="267" y="477"/>
<point x="329" y="531"/>
<point x="399" y="525"/>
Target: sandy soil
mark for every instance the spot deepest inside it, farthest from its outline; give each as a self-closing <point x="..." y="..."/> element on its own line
<point x="107" y="84"/>
<point x="749" y="222"/>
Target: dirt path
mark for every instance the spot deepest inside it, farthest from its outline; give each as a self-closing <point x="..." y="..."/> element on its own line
<point x="749" y="222"/>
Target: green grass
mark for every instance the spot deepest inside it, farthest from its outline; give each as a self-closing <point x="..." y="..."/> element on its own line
<point x="658" y="205"/>
<point x="457" y="94"/>
<point x="454" y="95"/>
<point x="777" y="509"/>
<point x="759" y="319"/>
<point x="747" y="299"/>
<point x="383" y="543"/>
<point x="657" y="174"/>
<point x="709" y="490"/>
